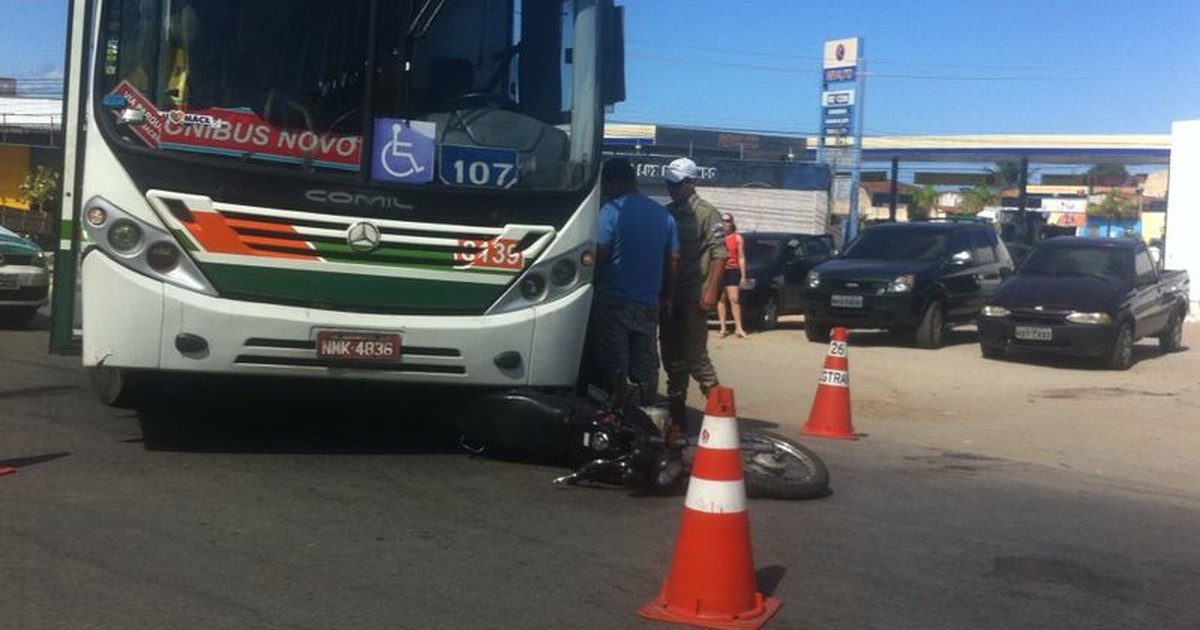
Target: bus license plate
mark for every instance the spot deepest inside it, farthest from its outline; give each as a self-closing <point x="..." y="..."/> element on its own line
<point x="357" y="346"/>
<point x="1033" y="333"/>
<point x="846" y="301"/>
<point x="8" y="282"/>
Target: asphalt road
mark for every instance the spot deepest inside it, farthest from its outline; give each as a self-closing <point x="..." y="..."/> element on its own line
<point x="985" y="495"/>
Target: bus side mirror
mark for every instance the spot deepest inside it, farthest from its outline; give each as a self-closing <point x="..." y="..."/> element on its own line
<point x="613" y="55"/>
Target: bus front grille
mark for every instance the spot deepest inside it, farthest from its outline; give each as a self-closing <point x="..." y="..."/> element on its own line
<point x="302" y="353"/>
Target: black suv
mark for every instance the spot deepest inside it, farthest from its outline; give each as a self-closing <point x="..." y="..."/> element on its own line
<point x="911" y="277"/>
<point x="777" y="264"/>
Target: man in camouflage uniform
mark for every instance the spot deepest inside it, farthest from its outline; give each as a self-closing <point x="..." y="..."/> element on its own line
<point x="683" y="334"/>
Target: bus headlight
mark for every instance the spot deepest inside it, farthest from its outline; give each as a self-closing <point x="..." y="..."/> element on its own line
<point x="547" y="280"/>
<point x="533" y="287"/>
<point x="563" y="272"/>
<point x="124" y="236"/>
<point x="141" y="246"/>
<point x="162" y="256"/>
<point x="96" y="215"/>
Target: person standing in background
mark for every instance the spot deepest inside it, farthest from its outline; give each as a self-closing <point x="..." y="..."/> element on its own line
<point x="732" y="278"/>
<point x="684" y="331"/>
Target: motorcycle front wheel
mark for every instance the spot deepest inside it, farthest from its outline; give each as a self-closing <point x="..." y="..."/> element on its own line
<point x="778" y="468"/>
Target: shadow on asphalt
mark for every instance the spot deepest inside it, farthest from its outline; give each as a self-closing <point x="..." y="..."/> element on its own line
<point x="39" y="322"/>
<point x="1141" y="352"/>
<point x="875" y="337"/>
<point x="887" y="338"/>
<point x="297" y="416"/>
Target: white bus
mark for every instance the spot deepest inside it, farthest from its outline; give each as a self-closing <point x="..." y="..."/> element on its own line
<point x="396" y="190"/>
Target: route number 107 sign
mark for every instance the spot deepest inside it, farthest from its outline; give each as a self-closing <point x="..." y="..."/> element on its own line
<point x="474" y="166"/>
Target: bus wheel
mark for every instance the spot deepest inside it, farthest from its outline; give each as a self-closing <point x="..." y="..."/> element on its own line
<point x="122" y="388"/>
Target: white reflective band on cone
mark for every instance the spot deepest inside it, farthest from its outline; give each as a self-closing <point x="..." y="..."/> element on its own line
<point x="716" y="497"/>
<point x="835" y="378"/>
<point x="719" y="433"/>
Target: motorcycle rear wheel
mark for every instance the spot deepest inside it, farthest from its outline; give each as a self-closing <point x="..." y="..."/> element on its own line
<point x="778" y="468"/>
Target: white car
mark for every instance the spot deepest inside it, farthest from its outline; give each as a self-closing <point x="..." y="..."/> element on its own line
<point x="24" y="278"/>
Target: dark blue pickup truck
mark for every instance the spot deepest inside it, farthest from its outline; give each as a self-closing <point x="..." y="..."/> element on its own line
<point x="1088" y="297"/>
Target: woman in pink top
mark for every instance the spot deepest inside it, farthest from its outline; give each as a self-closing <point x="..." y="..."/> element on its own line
<point x="733" y="277"/>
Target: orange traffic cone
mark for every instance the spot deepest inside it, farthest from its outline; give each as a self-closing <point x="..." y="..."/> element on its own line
<point x="711" y="584"/>
<point x="830" y="414"/>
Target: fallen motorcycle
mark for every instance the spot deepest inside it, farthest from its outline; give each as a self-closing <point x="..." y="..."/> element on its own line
<point x="623" y="443"/>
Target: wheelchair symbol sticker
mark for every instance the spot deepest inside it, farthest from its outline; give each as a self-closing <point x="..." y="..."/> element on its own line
<point x="403" y="150"/>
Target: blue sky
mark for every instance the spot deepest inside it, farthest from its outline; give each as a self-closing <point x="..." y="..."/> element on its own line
<point x="936" y="66"/>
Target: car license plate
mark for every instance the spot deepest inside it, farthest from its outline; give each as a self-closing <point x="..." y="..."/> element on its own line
<point x="357" y="346"/>
<point x="846" y="301"/>
<point x="1033" y="333"/>
<point x="8" y="282"/>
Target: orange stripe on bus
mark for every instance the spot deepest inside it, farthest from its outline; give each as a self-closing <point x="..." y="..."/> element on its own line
<point x="216" y="234"/>
<point x="301" y="247"/>
<point x="261" y="226"/>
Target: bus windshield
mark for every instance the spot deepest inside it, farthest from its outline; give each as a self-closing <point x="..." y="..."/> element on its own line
<point x="470" y="93"/>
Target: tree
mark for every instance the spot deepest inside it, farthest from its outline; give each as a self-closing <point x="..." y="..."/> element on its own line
<point x="1107" y="175"/>
<point x="1005" y="174"/>
<point x="924" y="200"/>
<point x="40" y="185"/>
<point x="1113" y="208"/>
<point x="978" y="198"/>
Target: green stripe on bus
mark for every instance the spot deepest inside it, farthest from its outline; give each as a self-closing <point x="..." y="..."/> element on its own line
<point x="185" y="240"/>
<point x="336" y="290"/>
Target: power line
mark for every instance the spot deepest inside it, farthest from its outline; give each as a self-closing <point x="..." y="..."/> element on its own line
<point x="815" y="60"/>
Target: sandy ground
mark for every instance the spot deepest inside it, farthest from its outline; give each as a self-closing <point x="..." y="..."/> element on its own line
<point x="1142" y="425"/>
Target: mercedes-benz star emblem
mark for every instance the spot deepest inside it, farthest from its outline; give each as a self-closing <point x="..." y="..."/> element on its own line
<point x="363" y="237"/>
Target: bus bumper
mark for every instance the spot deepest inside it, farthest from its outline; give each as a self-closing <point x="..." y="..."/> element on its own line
<point x="131" y="321"/>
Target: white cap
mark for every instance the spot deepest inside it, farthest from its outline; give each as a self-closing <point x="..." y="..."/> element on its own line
<point x="681" y="169"/>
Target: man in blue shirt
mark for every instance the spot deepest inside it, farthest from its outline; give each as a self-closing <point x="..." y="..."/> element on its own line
<point x="637" y="263"/>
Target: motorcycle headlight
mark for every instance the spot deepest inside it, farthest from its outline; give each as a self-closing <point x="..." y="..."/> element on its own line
<point x="901" y="284"/>
<point x="813" y="279"/>
<point x="1089" y="318"/>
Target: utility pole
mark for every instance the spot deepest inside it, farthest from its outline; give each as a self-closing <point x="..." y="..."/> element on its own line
<point x="856" y="147"/>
